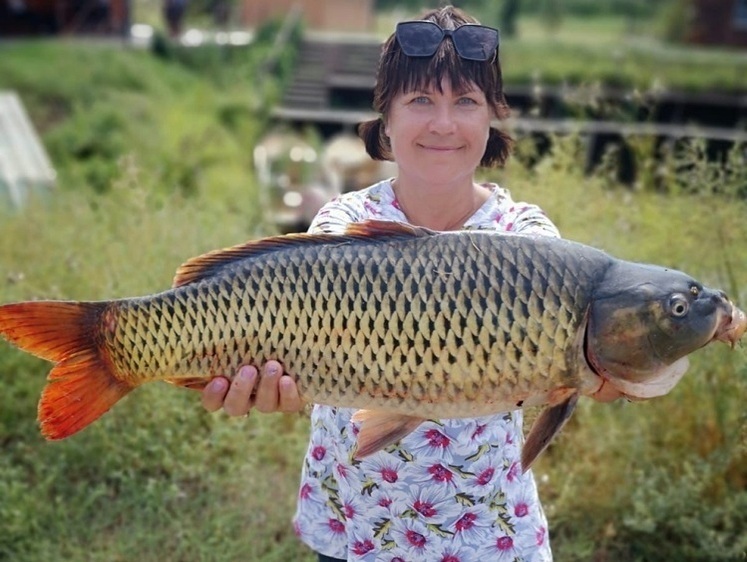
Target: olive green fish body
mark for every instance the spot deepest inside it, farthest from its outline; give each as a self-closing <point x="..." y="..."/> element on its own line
<point x="437" y="326"/>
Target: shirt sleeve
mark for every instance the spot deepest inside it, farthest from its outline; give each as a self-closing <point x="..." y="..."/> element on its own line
<point x="335" y="216"/>
<point x="532" y="220"/>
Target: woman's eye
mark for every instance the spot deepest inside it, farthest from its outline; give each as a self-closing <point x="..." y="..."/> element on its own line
<point x="419" y="99"/>
<point x="467" y="101"/>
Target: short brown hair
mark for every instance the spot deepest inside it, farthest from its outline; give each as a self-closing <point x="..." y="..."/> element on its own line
<point x="398" y="73"/>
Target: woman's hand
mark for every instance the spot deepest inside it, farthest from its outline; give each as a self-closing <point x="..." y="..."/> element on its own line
<point x="275" y="391"/>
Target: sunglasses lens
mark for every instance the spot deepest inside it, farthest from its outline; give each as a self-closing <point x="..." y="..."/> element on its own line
<point x="419" y="38"/>
<point x="475" y="42"/>
<point x="422" y="38"/>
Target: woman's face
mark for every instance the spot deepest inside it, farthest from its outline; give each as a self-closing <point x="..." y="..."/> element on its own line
<point x="438" y="136"/>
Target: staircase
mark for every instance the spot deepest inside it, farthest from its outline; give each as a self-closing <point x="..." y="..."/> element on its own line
<point x="326" y="67"/>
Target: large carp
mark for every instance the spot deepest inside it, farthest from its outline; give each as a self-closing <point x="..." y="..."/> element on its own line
<point x="402" y="322"/>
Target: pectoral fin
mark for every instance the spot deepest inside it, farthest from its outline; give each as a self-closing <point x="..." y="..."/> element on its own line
<point x="546" y="426"/>
<point x="379" y="429"/>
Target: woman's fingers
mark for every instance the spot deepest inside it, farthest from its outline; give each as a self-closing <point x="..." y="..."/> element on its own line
<point x="267" y="390"/>
<point x="275" y="392"/>
<point x="214" y="394"/>
<point x="239" y="395"/>
<point x="290" y="401"/>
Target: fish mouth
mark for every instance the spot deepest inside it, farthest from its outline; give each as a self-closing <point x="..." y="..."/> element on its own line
<point x="733" y="326"/>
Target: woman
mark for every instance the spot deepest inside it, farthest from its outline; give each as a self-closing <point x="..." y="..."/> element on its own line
<point x="453" y="490"/>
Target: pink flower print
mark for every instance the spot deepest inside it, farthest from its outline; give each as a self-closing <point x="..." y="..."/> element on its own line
<point x="362" y="547"/>
<point x="479" y="430"/>
<point x="521" y="509"/>
<point x="384" y="501"/>
<point x="415" y="539"/>
<point x="305" y="492"/>
<point x="424" y="508"/>
<point x="540" y="536"/>
<point x="348" y="510"/>
<point x="342" y="471"/>
<point x="336" y="526"/>
<point x="440" y="473"/>
<point x="522" y="503"/>
<point x="450" y="558"/>
<point x="389" y="474"/>
<point x="485" y="476"/>
<point x="504" y="543"/>
<point x="436" y="439"/>
<point x="318" y="452"/>
<point x="465" y="522"/>
<point x="381" y="469"/>
<point x="396" y="205"/>
<point x="434" y="505"/>
<point x="412" y="540"/>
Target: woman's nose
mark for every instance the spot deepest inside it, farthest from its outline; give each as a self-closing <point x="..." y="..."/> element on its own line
<point x="443" y="119"/>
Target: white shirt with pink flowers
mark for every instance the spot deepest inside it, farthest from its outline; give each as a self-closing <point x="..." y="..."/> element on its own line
<point x="451" y="491"/>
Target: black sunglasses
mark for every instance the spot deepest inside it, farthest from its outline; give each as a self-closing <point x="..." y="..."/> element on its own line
<point x="471" y="41"/>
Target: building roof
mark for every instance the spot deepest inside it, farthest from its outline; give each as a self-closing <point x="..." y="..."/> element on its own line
<point x="25" y="167"/>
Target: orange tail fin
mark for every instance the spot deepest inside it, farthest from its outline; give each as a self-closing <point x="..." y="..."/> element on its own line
<point x="81" y="385"/>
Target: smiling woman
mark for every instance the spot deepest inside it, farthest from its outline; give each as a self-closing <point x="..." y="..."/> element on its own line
<point x="438" y="89"/>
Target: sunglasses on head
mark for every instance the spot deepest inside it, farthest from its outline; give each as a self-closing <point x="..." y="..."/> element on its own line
<point x="471" y="41"/>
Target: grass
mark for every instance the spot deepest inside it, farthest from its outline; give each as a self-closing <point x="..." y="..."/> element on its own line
<point x="154" y="160"/>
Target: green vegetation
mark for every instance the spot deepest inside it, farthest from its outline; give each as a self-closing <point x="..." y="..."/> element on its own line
<point x="154" y="155"/>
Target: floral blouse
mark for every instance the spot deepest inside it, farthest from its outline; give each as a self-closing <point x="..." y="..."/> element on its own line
<point x="451" y="491"/>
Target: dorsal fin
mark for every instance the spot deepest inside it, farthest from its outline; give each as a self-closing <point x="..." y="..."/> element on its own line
<point x="374" y="228"/>
<point x="209" y="264"/>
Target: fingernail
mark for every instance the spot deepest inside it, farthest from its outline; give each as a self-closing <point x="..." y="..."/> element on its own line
<point x="218" y="385"/>
<point x="271" y="369"/>
<point x="246" y="374"/>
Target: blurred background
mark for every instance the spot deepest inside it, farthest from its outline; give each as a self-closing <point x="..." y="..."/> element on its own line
<point x="135" y="134"/>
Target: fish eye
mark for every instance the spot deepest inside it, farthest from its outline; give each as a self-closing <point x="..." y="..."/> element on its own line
<point x="679" y="306"/>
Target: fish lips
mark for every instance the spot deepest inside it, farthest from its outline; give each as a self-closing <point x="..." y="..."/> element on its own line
<point x="733" y="327"/>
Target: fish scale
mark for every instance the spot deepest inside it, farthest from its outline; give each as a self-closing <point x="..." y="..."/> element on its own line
<point x="406" y="323"/>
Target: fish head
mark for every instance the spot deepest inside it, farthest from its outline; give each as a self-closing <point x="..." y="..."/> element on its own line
<point x="644" y="321"/>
